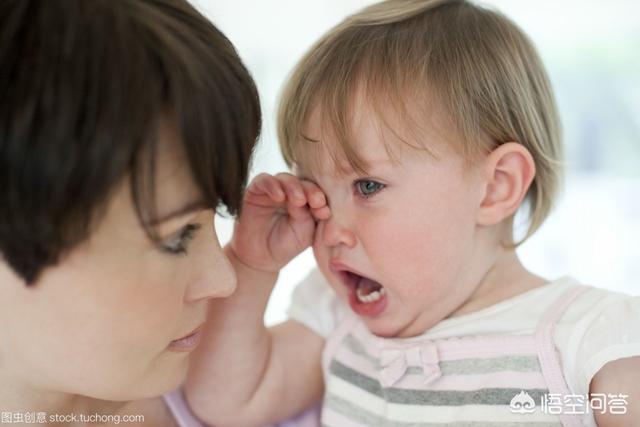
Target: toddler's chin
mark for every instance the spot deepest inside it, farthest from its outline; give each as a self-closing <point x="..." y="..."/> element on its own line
<point x="387" y="327"/>
<point x="382" y="328"/>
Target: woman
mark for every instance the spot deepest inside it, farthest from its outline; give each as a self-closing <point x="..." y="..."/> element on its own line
<point x="124" y="125"/>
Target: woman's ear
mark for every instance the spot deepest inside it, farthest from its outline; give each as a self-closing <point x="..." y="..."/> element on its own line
<point x="509" y="171"/>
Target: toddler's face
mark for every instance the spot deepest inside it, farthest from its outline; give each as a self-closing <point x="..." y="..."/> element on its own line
<point x="399" y="245"/>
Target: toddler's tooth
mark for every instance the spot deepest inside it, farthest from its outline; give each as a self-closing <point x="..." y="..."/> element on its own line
<point x="361" y="297"/>
<point x="372" y="297"/>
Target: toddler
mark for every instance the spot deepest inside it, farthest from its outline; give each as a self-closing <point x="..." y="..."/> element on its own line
<point x="416" y="130"/>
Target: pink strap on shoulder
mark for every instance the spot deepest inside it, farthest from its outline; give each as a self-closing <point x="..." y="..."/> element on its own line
<point x="548" y="355"/>
<point x="180" y="410"/>
<point x="335" y="338"/>
<point x="185" y="418"/>
<point x="308" y="418"/>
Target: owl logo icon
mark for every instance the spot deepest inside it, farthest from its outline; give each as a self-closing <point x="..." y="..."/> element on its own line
<point x="522" y="403"/>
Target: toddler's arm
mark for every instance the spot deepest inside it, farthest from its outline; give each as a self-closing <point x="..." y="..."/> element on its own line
<point x="619" y="377"/>
<point x="243" y="373"/>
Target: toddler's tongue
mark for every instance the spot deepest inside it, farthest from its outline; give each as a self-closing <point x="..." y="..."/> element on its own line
<point x="367" y="286"/>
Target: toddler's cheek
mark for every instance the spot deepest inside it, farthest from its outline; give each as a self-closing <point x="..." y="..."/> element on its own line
<point x="322" y="256"/>
<point x="318" y="246"/>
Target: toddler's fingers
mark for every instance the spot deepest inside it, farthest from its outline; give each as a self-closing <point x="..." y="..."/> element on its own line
<point x="321" y="213"/>
<point x="265" y="184"/>
<point x="315" y="196"/>
<point x="298" y="213"/>
<point x="293" y="188"/>
<point x="275" y="189"/>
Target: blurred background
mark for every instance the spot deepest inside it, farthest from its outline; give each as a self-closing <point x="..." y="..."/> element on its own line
<point x="591" y="51"/>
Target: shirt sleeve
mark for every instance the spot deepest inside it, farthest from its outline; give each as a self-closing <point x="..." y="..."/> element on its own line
<point x="315" y="304"/>
<point x="606" y="327"/>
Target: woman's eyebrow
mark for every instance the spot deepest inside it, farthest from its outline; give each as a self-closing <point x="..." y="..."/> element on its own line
<point x="185" y="209"/>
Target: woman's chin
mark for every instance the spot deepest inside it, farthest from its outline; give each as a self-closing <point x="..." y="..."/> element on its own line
<point x="176" y="375"/>
<point x="165" y="377"/>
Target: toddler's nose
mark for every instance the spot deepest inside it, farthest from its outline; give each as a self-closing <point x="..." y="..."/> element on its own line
<point x="333" y="233"/>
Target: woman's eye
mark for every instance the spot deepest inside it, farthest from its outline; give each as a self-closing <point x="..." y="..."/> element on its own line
<point x="367" y="188"/>
<point x="179" y="242"/>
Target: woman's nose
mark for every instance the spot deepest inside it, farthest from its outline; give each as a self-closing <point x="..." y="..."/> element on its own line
<point x="213" y="276"/>
<point x="335" y="233"/>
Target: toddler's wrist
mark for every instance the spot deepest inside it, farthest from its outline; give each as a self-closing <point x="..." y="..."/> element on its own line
<point x="242" y="266"/>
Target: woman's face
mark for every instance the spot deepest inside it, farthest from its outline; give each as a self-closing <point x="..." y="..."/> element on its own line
<point x="101" y="322"/>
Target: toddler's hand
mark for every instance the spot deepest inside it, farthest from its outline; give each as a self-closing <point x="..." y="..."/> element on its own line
<point x="277" y="221"/>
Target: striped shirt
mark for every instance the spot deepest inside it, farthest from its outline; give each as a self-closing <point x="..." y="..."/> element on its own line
<point x="491" y="380"/>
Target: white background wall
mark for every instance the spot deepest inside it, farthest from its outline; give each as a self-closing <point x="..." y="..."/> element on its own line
<point x="591" y="52"/>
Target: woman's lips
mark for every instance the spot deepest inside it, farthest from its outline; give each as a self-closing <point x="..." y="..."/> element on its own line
<point x="188" y="342"/>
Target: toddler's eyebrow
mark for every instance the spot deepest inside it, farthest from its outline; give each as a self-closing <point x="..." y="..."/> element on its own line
<point x="373" y="167"/>
<point x="309" y="138"/>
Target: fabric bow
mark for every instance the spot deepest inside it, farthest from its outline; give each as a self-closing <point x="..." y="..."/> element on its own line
<point x="395" y="361"/>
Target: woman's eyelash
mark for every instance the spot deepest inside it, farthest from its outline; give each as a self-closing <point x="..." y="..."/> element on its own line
<point x="367" y="187"/>
<point x="179" y="243"/>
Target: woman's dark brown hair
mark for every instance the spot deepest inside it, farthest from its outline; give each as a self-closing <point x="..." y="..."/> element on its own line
<point x="83" y="85"/>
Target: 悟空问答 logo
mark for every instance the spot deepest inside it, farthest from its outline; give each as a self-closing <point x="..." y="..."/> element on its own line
<point x="522" y="403"/>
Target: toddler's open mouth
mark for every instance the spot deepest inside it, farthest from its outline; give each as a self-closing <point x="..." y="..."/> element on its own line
<point x="366" y="296"/>
<point x="367" y="290"/>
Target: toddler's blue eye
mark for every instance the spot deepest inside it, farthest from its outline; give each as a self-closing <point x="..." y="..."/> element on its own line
<point x="179" y="242"/>
<point x="367" y="187"/>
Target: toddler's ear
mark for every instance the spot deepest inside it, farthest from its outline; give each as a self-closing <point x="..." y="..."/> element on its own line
<point x="509" y="171"/>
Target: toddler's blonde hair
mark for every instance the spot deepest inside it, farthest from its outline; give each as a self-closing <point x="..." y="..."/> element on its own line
<point x="471" y="61"/>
